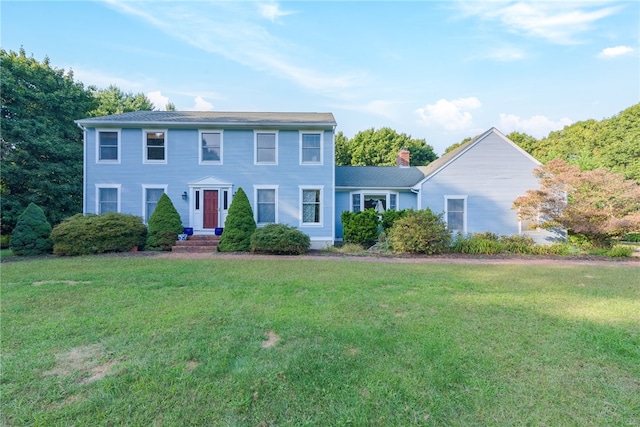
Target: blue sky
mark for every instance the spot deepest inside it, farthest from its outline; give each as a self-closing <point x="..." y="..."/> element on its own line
<point x="441" y="71"/>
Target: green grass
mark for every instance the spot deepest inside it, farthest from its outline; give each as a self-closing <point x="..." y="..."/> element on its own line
<point x="153" y="341"/>
<point x="6" y="253"/>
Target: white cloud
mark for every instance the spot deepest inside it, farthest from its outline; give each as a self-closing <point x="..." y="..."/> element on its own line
<point x="557" y="22"/>
<point x="159" y="101"/>
<point x="612" y="52"/>
<point x="537" y="126"/>
<point x="452" y="115"/>
<point x="272" y="11"/>
<point x="231" y="30"/>
<point x="201" y="105"/>
<point x="103" y="80"/>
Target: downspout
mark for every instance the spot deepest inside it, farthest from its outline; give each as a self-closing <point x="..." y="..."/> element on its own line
<point x="84" y="168"/>
<point x="419" y="193"/>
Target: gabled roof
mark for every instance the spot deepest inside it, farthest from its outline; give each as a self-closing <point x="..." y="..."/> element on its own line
<point x="377" y="177"/>
<point x="213" y="118"/>
<point x="437" y="165"/>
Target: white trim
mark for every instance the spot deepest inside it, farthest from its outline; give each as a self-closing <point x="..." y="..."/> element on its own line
<point x="146" y="187"/>
<point x="464" y="212"/>
<point x="255" y="202"/>
<point x="119" y="145"/>
<point x="301" y="189"/>
<point x="84" y="171"/>
<point x="210" y="162"/>
<point x="145" y="160"/>
<point x="255" y="147"/>
<point x="321" y="148"/>
<point x="119" y="193"/>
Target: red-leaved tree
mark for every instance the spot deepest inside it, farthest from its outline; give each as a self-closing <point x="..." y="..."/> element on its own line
<point x="598" y="204"/>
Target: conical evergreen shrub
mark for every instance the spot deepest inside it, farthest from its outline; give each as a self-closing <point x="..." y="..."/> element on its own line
<point x="164" y="226"/>
<point x="239" y="225"/>
<point x="32" y="232"/>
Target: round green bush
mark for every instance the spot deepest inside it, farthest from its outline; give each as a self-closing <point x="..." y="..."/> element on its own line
<point x="420" y="232"/>
<point x="95" y="234"/>
<point x="360" y="227"/>
<point x="239" y="225"/>
<point x="31" y="236"/>
<point x="279" y="239"/>
<point x="622" y="251"/>
<point x="164" y="226"/>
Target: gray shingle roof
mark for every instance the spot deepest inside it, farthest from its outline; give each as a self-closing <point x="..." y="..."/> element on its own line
<point x="377" y="176"/>
<point x="216" y="118"/>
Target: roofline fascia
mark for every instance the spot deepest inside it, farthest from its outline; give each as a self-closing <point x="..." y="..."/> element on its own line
<point x="350" y="188"/>
<point x="225" y="125"/>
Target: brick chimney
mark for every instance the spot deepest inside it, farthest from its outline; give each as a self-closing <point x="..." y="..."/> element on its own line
<point x="404" y="158"/>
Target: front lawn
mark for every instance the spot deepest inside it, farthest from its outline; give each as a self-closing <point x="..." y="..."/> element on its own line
<point x="154" y="341"/>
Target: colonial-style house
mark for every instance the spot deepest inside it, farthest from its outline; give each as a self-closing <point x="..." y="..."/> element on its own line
<point x="285" y="164"/>
<point x="283" y="161"/>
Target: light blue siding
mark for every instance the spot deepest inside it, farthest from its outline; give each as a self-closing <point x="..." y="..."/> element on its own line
<point x="491" y="175"/>
<point x="237" y="169"/>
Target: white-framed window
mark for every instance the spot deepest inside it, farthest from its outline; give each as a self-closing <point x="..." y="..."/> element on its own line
<point x="266" y="202"/>
<point x="151" y="194"/>
<point x="311" y="148"/>
<point x="455" y="213"/>
<point x="311" y="205"/>
<point x="154" y="146"/>
<point x="210" y="147"/>
<point x="107" y="198"/>
<point x="266" y="147"/>
<point x="380" y="201"/>
<point x="107" y="145"/>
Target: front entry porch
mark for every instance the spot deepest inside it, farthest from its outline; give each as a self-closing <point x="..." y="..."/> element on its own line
<point x="209" y="203"/>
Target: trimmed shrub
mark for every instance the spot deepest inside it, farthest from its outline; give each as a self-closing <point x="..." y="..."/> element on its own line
<point x="279" y="239"/>
<point x="95" y="234"/>
<point x="239" y="225"/>
<point x="633" y="237"/>
<point x="622" y="251"/>
<point x="420" y="232"/>
<point x="389" y="217"/>
<point x="164" y="226"/>
<point x="5" y="239"/>
<point x="31" y="234"/>
<point x="360" y="227"/>
<point x="480" y="243"/>
<point x="518" y="244"/>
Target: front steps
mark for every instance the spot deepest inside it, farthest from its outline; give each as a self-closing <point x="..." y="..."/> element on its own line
<point x="197" y="244"/>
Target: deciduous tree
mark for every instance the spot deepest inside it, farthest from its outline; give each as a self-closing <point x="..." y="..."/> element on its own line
<point x="113" y="100"/>
<point x="380" y="148"/>
<point x="598" y="204"/>
<point x="41" y="147"/>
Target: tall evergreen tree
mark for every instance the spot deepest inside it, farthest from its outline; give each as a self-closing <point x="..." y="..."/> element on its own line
<point x="164" y="226"/>
<point x="31" y="235"/>
<point x="239" y="225"/>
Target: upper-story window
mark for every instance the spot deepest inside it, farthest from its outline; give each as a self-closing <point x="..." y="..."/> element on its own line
<point x="108" y="146"/>
<point x="155" y="146"/>
<point x="311" y="148"/>
<point x="266" y="144"/>
<point x="211" y="147"/>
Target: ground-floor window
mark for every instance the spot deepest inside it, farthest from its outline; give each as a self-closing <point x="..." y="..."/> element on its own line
<point x="151" y="197"/>
<point x="311" y="201"/>
<point x="107" y="199"/>
<point x="266" y="205"/>
<point x="455" y="213"/>
<point x="380" y="202"/>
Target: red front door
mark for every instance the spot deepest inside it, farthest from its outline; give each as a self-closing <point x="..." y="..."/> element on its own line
<point x="210" y="209"/>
